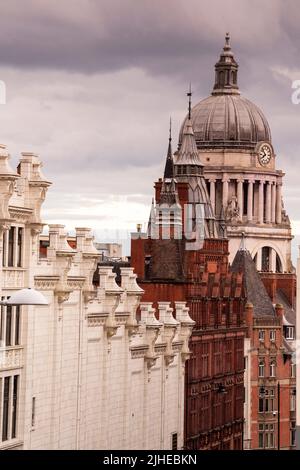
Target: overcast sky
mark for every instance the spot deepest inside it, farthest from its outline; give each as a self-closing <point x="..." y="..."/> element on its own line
<point x="91" y="85"/>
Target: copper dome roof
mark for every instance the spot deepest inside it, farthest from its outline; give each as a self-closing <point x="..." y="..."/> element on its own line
<point x="226" y="119"/>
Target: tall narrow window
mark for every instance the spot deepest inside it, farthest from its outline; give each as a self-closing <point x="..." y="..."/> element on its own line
<point x="261" y="335"/>
<point x="261" y="369"/>
<point x="8" y="335"/>
<point x="174" y="441"/>
<point x="5" y="409"/>
<point x="17" y="325"/>
<point x="2" y="320"/>
<point x="272" y="369"/>
<point x="19" y="246"/>
<point x="4" y="248"/>
<point x="14" y="407"/>
<point x="33" y="412"/>
<point x="11" y="238"/>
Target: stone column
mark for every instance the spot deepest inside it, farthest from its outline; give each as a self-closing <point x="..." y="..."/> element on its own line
<point x="225" y="182"/>
<point x="250" y="200"/>
<point x="240" y="182"/>
<point x="212" y="183"/>
<point x="273" y="261"/>
<point x="278" y="202"/>
<point x="258" y="260"/>
<point x="268" y="202"/>
<point x="273" y="204"/>
<point x="261" y="202"/>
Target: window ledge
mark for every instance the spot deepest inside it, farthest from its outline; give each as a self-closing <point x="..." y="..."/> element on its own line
<point x="11" y="444"/>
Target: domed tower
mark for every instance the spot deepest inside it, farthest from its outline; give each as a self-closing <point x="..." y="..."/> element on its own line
<point x="234" y="144"/>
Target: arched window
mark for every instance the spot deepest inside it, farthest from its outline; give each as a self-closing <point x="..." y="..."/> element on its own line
<point x="270" y="260"/>
<point x="261" y="369"/>
<point x="278" y="264"/>
<point x="266" y="259"/>
<point x="222" y="79"/>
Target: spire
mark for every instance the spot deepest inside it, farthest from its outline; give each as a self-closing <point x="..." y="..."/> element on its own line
<point x="188" y="153"/>
<point x="169" y="167"/>
<point x="226" y="71"/>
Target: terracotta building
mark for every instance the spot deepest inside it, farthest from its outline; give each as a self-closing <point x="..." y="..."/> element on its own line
<point x="224" y="177"/>
<point x="184" y="257"/>
<point x="270" y="400"/>
<point x="234" y="143"/>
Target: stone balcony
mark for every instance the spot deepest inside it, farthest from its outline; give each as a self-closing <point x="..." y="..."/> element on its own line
<point x="11" y="357"/>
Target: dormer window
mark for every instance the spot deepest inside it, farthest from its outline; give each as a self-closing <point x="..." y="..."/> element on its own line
<point x="289" y="332"/>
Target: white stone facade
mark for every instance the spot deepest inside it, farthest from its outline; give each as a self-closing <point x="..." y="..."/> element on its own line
<point x="251" y="197"/>
<point x="94" y="369"/>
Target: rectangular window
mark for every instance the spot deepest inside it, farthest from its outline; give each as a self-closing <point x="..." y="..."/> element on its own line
<point x="272" y="369"/>
<point x="217" y="357"/>
<point x="293" y="370"/>
<point x="17" y="325"/>
<point x="19" y="246"/>
<point x="266" y="436"/>
<point x="5" y="408"/>
<point x="261" y="369"/>
<point x="293" y="433"/>
<point x="228" y="355"/>
<point x="13" y="247"/>
<point x="9" y="400"/>
<point x="293" y="400"/>
<point x="8" y="334"/>
<point x="10" y="325"/>
<point x="272" y="335"/>
<point x="2" y="324"/>
<point x="174" y="441"/>
<point x="14" y="407"/>
<point x="289" y="332"/>
<point x="11" y="240"/>
<point x="205" y="359"/>
<point x="4" y="248"/>
<point x="261" y="335"/>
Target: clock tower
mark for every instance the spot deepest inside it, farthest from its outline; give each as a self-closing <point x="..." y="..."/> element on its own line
<point x="234" y="144"/>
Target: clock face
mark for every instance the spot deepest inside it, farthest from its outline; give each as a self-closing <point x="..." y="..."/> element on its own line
<point x="264" y="154"/>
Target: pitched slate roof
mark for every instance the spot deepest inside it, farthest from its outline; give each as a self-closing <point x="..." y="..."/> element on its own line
<point x="255" y="290"/>
<point x="289" y="312"/>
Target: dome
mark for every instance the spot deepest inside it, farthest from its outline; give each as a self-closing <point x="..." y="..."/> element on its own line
<point x="226" y="119"/>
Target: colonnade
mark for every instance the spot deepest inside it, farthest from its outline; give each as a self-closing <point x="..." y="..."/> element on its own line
<point x="269" y="198"/>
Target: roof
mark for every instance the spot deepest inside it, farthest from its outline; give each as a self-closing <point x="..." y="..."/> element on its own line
<point x="188" y="153"/>
<point x="228" y="121"/>
<point x="289" y="312"/>
<point x="225" y="119"/>
<point x="255" y="290"/>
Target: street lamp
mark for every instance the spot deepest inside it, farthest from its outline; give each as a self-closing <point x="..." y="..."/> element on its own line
<point x="26" y="296"/>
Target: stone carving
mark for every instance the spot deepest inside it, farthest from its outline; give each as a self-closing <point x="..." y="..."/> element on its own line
<point x="232" y="210"/>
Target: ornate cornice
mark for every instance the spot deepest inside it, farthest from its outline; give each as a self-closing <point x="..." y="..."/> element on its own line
<point x="20" y="214"/>
<point x="46" y="282"/>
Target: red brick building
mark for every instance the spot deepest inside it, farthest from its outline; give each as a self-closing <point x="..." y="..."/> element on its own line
<point x="270" y="402"/>
<point x="172" y="264"/>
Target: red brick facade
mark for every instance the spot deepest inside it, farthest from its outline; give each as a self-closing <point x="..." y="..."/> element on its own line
<point x="214" y="393"/>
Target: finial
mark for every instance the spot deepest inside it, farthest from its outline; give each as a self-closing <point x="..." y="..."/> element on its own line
<point x="189" y="94"/>
<point x="243" y="245"/>
<point x="170" y="130"/>
<point x="227" y="40"/>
